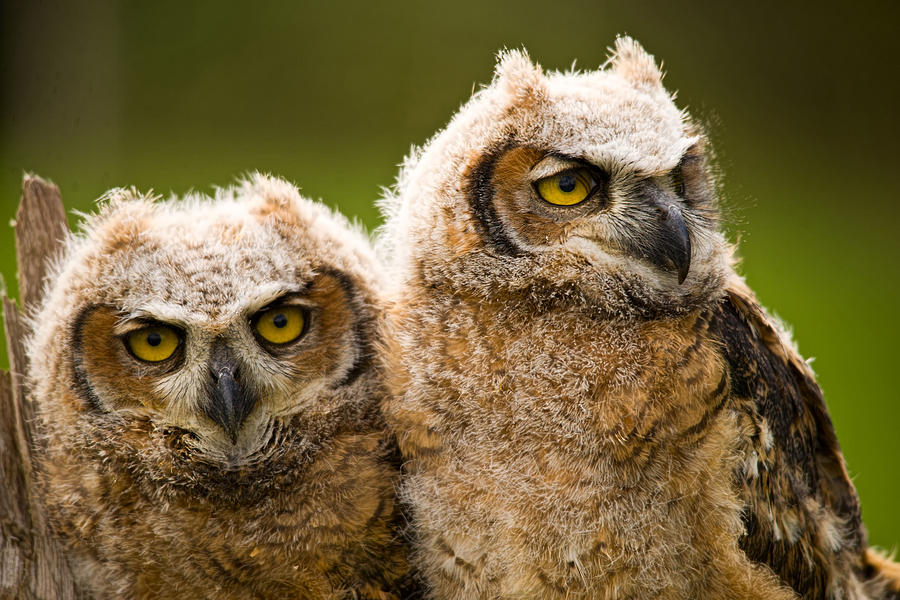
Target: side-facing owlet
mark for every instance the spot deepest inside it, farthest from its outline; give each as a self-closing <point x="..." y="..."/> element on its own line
<point x="590" y="401"/>
<point x="203" y="371"/>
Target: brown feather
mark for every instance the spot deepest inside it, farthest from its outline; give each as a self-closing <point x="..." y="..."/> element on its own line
<point x="801" y="511"/>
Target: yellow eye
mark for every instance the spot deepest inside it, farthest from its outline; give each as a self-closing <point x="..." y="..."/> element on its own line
<point x="567" y="188"/>
<point x="281" y="324"/>
<point x="154" y="343"/>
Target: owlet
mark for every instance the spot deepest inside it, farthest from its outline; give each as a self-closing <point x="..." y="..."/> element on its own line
<point x="203" y="371"/>
<point x="590" y="401"/>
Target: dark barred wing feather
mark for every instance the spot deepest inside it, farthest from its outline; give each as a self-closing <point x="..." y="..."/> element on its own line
<point x="801" y="512"/>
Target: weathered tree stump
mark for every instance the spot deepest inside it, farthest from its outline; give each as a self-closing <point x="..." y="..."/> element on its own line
<point x="32" y="563"/>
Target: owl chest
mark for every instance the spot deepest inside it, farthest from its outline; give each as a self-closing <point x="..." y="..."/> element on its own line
<point x="301" y="537"/>
<point x="560" y="383"/>
<point x="559" y="439"/>
<point x="201" y="547"/>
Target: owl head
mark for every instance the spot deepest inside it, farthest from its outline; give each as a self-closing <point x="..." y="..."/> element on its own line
<point x="207" y="331"/>
<point x="589" y="186"/>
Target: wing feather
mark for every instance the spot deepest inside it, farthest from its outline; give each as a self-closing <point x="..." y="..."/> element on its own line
<point x="801" y="511"/>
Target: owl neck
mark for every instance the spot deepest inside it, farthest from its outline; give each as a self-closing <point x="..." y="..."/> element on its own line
<point x="154" y="458"/>
<point x="601" y="296"/>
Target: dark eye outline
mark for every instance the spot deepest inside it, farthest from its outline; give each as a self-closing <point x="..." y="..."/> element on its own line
<point x="677" y="175"/>
<point x="170" y="360"/>
<point x="272" y="347"/>
<point x="599" y="177"/>
<point x="688" y="177"/>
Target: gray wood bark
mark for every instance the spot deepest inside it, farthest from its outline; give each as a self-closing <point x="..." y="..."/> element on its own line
<point x="32" y="564"/>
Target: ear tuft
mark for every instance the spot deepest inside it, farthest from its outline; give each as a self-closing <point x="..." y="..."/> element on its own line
<point x="632" y="62"/>
<point x="518" y="76"/>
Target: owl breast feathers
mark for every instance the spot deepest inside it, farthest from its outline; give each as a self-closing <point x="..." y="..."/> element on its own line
<point x="208" y="401"/>
<point x="590" y="401"/>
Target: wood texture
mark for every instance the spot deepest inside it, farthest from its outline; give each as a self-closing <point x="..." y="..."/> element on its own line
<point x="32" y="565"/>
<point x="40" y="227"/>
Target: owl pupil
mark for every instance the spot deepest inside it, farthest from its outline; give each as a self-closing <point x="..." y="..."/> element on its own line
<point x="154" y="339"/>
<point x="279" y="320"/>
<point x="566" y="183"/>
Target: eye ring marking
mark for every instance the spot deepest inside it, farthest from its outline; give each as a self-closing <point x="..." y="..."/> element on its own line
<point x="567" y="188"/>
<point x="153" y="343"/>
<point x="281" y="324"/>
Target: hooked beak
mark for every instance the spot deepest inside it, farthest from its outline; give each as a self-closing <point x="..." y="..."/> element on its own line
<point x="228" y="404"/>
<point x="667" y="244"/>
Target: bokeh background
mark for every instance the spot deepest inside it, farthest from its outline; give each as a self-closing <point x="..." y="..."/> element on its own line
<point x="800" y="101"/>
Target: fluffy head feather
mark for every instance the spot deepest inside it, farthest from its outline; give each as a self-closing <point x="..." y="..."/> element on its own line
<point x="619" y="121"/>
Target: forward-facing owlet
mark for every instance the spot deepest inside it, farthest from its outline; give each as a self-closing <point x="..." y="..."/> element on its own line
<point x="589" y="400"/>
<point x="204" y="374"/>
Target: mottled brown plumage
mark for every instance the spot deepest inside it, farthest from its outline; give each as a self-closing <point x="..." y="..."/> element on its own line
<point x="243" y="465"/>
<point x="590" y="401"/>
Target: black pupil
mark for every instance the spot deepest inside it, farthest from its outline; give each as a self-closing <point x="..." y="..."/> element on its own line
<point x="279" y="320"/>
<point x="567" y="183"/>
<point x="154" y="339"/>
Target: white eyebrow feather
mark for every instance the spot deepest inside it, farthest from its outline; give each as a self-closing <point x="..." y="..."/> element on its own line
<point x="551" y="165"/>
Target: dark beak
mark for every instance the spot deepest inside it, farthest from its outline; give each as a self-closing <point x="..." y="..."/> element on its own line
<point x="228" y="404"/>
<point x="667" y="243"/>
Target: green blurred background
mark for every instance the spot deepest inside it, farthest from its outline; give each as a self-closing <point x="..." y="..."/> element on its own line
<point x="800" y="101"/>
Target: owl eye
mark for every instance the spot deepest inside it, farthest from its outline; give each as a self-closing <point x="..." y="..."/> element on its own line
<point x="154" y="343"/>
<point x="567" y="188"/>
<point x="281" y="324"/>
